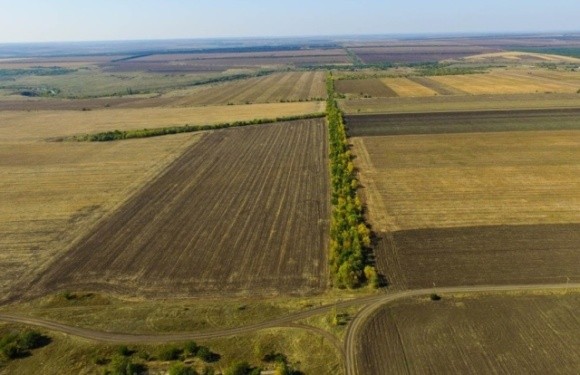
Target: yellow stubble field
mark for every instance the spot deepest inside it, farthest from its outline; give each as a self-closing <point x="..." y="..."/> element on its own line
<point x="51" y="193"/>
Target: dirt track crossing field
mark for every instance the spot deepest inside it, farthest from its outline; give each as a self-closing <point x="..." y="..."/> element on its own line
<point x="245" y="210"/>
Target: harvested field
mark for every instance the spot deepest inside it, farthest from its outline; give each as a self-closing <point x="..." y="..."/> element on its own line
<point x="459" y="103"/>
<point x="511" y="334"/>
<point x="175" y="63"/>
<point x="51" y="193"/>
<point x="372" y="87"/>
<point x="280" y="87"/>
<point x="462" y="122"/>
<point x="507" y="82"/>
<point x="21" y="126"/>
<point x="519" y="57"/>
<point x="415" y="52"/>
<point x="458" y="180"/>
<point x="439" y="87"/>
<point x="244" y="211"/>
<point x="501" y="254"/>
<point x="405" y="87"/>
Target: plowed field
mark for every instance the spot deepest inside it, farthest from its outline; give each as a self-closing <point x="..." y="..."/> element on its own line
<point x="496" y="254"/>
<point x="373" y="87"/>
<point x="483" y="335"/>
<point x="243" y="211"/>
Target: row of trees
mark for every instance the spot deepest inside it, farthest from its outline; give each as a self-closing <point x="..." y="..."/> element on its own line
<point x="349" y="235"/>
<point x="156" y="132"/>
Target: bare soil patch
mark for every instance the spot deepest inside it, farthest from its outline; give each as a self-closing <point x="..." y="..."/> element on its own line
<point x="463" y="122"/>
<point x="535" y="334"/>
<point x="500" y="254"/>
<point x="243" y="212"/>
<point x="371" y="87"/>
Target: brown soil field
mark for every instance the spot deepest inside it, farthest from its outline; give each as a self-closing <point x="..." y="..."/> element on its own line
<point x="462" y="122"/>
<point x="291" y="86"/>
<point x="406" y="88"/>
<point x="509" y="82"/>
<point x="51" y="193"/>
<point x="373" y="87"/>
<point x="459" y="103"/>
<point x="500" y="254"/>
<point x="473" y="179"/>
<point x="523" y="334"/>
<point x="243" y="211"/>
<point x="24" y="126"/>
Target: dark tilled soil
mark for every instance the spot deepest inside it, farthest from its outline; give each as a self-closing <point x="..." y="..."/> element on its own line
<point x="522" y="254"/>
<point x="243" y="211"/>
<point x="462" y="122"/>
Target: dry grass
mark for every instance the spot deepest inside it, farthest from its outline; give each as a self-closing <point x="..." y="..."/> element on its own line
<point x="508" y="82"/>
<point x="404" y="87"/>
<point x="291" y="86"/>
<point x="520" y="57"/>
<point x="50" y="193"/>
<point x="453" y="180"/>
<point x="459" y="103"/>
<point x="37" y="125"/>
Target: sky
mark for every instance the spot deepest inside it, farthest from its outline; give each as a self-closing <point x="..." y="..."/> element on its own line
<point x="96" y="20"/>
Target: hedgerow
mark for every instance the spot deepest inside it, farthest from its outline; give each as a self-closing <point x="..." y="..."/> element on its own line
<point x="349" y="235"/>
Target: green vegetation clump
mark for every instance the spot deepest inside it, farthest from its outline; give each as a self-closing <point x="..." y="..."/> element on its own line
<point x="36" y="71"/>
<point x="349" y="235"/>
<point x="438" y="69"/>
<point x="18" y="345"/>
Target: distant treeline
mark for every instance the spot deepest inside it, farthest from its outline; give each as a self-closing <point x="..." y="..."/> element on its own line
<point x="562" y="51"/>
<point x="36" y="71"/>
<point x="156" y="132"/>
<point x="349" y="235"/>
<point x="248" y="49"/>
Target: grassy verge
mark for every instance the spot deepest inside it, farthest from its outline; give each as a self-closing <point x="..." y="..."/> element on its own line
<point x="67" y="355"/>
<point x="349" y="235"/>
<point x="156" y="132"/>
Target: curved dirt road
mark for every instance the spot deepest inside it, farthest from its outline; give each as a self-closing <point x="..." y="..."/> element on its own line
<point x="372" y="303"/>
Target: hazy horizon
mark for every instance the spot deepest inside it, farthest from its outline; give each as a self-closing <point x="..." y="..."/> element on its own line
<point x="38" y="21"/>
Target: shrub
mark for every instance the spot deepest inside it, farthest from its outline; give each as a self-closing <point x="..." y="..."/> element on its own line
<point x="170" y="353"/>
<point x="191" y="348"/>
<point x="435" y="297"/>
<point x="180" y="369"/>
<point x="240" y="368"/>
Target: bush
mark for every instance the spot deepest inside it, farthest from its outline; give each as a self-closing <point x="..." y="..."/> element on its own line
<point x="435" y="297"/>
<point x="170" y="353"/>
<point x="121" y="365"/>
<point x="124" y="351"/>
<point x="241" y="368"/>
<point x="180" y="369"/>
<point x="191" y="348"/>
<point x="206" y="355"/>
